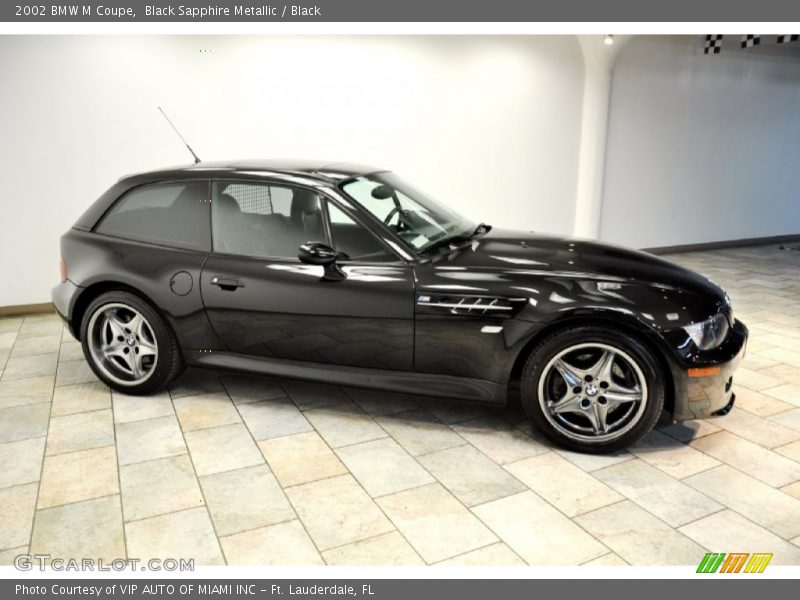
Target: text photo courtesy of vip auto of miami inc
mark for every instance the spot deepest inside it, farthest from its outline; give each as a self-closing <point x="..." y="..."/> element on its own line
<point x="307" y="299"/>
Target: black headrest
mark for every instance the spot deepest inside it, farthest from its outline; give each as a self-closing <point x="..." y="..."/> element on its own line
<point x="304" y="202"/>
<point x="227" y="204"/>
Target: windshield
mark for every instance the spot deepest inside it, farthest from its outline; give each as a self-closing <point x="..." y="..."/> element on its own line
<point x="418" y="220"/>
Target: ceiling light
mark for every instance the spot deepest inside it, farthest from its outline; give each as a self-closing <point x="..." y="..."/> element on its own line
<point x="608" y="40"/>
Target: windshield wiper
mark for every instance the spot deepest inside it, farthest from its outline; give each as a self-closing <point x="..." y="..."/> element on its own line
<point x="463" y="238"/>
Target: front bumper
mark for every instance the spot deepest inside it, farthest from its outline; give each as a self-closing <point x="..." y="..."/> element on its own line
<point x="711" y="393"/>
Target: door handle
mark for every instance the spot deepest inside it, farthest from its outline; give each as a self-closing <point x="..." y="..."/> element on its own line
<point x="227" y="284"/>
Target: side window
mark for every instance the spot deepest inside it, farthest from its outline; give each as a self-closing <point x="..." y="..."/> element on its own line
<point x="263" y="220"/>
<point x="353" y="240"/>
<point x="170" y="214"/>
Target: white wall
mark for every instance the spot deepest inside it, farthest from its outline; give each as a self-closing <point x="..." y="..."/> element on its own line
<point x="702" y="148"/>
<point x="489" y="125"/>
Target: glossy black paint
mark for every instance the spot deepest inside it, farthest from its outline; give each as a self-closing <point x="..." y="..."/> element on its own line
<point x="383" y="324"/>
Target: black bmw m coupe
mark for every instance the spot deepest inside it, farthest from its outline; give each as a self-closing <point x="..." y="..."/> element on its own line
<point x="346" y="274"/>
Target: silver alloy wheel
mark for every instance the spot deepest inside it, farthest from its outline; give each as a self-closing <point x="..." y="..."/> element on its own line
<point x="122" y="344"/>
<point x="592" y="392"/>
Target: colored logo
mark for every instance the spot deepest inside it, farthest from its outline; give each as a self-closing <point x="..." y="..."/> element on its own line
<point x="734" y="562"/>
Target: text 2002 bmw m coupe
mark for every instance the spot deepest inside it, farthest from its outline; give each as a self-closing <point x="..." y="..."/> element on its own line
<point x="345" y="274"/>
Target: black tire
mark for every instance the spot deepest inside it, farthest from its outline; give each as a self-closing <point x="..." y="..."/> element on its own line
<point x="169" y="363"/>
<point x="561" y="432"/>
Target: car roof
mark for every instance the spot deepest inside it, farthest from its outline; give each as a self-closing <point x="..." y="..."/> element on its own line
<point x="325" y="171"/>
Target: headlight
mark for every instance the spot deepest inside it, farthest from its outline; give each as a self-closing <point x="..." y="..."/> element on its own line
<point x="710" y="333"/>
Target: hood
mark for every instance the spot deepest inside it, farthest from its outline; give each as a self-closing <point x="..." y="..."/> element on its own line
<point x="545" y="255"/>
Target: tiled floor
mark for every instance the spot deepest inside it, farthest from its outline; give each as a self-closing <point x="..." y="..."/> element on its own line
<point x="228" y="468"/>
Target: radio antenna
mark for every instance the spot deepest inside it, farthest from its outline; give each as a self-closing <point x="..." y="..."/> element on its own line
<point x="175" y="129"/>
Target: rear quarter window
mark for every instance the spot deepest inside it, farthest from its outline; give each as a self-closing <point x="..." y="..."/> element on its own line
<point x="170" y="214"/>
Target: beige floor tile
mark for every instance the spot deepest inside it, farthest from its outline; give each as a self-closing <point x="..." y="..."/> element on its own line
<point x="436" y="524"/>
<point x="245" y="499"/>
<point x="250" y="388"/>
<point x="593" y="462"/>
<point x="138" y="408"/>
<point x="785" y="373"/>
<point x="80" y="432"/>
<point x="17" y="505"/>
<point x="204" y="411"/>
<point x="82" y="397"/>
<point x="378" y="402"/>
<point x="754" y="362"/>
<point x="728" y="529"/>
<point x="24" y="422"/>
<point x="7" y="557"/>
<point x="70" y="350"/>
<point x="196" y="382"/>
<point x="77" y="476"/>
<point x="10" y="324"/>
<point x="281" y="544"/>
<point x="454" y="411"/>
<point x="185" y="534"/>
<point x="301" y="458"/>
<point x="494" y="555"/>
<point x="26" y="367"/>
<point x="222" y="449"/>
<point x="537" y="532"/>
<point x="758" y="403"/>
<point x="159" y="486"/>
<point x="152" y="438"/>
<point x="755" y="380"/>
<point x="46" y="344"/>
<point x="793" y="489"/>
<point x="269" y="419"/>
<point x="789" y="418"/>
<point x="562" y="484"/>
<point x="88" y="529"/>
<point x="4" y="354"/>
<point x="790" y="450"/>
<point x="751" y="458"/>
<point x="308" y="395"/>
<point x="337" y="511"/>
<point x="470" y="476"/>
<point x="37" y="326"/>
<point x="671" y="456"/>
<point x="7" y="340"/>
<point x="383" y="467"/>
<point x="21" y="461"/>
<point x="686" y="431"/>
<point x="498" y="440"/>
<point x="760" y="431"/>
<point x="751" y="498"/>
<point x="22" y="392"/>
<point x="639" y="537"/>
<point x="789" y="393"/>
<point x="343" y="424"/>
<point x="387" y="549"/>
<point x="74" y="371"/>
<point x="655" y="491"/>
<point x="782" y="355"/>
<point x="419" y="432"/>
<point x="607" y="560"/>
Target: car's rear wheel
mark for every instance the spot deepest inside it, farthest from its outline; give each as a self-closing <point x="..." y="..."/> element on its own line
<point x="592" y="389"/>
<point x="128" y="344"/>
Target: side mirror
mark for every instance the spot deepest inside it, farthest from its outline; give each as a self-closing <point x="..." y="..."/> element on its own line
<point x="316" y="253"/>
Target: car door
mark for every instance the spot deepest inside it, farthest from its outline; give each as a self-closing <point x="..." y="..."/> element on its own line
<point x="263" y="301"/>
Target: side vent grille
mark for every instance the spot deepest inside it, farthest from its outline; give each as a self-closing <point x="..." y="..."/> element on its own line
<point x="477" y="306"/>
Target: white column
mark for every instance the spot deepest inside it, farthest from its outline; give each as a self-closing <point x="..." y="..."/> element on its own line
<point x="598" y="59"/>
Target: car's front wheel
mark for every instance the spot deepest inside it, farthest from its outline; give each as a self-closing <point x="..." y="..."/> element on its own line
<point x="128" y="344"/>
<point x="592" y="389"/>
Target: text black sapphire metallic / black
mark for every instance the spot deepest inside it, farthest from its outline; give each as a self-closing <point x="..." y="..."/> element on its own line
<point x="346" y="274"/>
